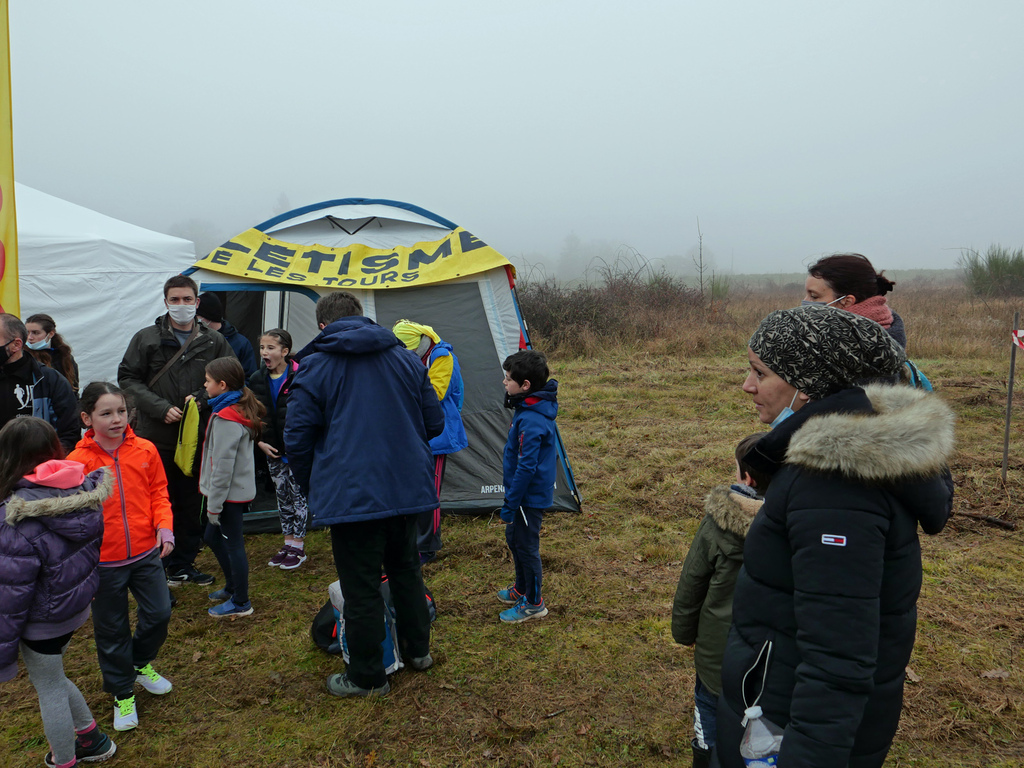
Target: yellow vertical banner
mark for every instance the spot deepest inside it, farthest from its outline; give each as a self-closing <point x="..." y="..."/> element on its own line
<point x="9" y="297"/>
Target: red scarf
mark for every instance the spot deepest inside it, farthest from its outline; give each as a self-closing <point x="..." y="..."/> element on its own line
<point x="876" y="308"/>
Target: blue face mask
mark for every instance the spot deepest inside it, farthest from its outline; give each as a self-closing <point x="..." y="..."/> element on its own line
<point x="786" y="412"/>
<point x="38" y="345"/>
<point x="809" y="303"/>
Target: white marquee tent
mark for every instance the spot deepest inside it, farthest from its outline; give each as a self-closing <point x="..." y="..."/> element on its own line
<point x="99" y="278"/>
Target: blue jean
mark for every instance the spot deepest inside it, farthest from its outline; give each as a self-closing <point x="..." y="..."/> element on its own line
<point x="228" y="547"/>
<point x="523" y="538"/>
<point x="704" y="718"/>
<point x="120" y="651"/>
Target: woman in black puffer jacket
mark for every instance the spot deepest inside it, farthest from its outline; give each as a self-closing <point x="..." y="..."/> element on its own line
<point x="832" y="562"/>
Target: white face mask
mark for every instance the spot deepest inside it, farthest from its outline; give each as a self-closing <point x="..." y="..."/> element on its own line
<point x="182" y="314"/>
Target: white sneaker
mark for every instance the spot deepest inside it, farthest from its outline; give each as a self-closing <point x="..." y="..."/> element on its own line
<point x="126" y="716"/>
<point x="152" y="681"/>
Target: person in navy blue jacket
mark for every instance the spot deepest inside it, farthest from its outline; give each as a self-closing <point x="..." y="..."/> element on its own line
<point x="211" y="312"/>
<point x="529" y="477"/>
<point x="360" y="415"/>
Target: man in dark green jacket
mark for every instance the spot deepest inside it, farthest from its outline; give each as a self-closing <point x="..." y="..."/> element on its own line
<point x="160" y="403"/>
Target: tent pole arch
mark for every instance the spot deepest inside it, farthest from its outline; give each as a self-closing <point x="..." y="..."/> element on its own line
<point x="280" y="219"/>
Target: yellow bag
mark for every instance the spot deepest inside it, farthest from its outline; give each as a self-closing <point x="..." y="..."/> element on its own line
<point x="188" y="439"/>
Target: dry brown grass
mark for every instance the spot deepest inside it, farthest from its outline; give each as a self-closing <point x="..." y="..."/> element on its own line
<point x="650" y="428"/>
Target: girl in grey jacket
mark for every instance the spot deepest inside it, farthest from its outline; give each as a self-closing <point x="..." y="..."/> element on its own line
<point x="228" y="479"/>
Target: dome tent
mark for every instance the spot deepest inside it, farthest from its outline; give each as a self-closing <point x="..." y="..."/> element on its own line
<point x="402" y="262"/>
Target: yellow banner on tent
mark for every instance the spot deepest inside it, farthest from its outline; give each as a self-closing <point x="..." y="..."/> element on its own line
<point x="10" y="300"/>
<point x="256" y="255"/>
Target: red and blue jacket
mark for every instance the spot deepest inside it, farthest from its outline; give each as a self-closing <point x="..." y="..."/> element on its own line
<point x="531" y="450"/>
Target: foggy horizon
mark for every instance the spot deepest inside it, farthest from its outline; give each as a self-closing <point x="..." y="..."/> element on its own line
<point x="552" y="131"/>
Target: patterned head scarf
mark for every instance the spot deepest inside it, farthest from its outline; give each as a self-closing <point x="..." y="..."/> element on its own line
<point x="409" y="333"/>
<point x="821" y="350"/>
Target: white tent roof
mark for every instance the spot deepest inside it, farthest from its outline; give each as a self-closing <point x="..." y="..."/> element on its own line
<point x="98" y="277"/>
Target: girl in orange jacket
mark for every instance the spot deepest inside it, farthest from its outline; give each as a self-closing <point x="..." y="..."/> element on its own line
<point x="137" y="532"/>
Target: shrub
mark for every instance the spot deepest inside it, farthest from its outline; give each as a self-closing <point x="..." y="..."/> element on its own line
<point x="628" y="303"/>
<point x="997" y="273"/>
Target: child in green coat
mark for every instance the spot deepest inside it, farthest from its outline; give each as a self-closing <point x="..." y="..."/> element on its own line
<point x="702" y="611"/>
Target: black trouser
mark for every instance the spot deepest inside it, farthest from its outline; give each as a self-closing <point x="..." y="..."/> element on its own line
<point x="186" y="507"/>
<point x="121" y="652"/>
<point x="360" y="549"/>
<point x="228" y="546"/>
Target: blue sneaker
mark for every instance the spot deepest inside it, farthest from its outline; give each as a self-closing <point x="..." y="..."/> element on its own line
<point x="510" y="595"/>
<point x="220" y="595"/>
<point x="524" y="611"/>
<point x="228" y="610"/>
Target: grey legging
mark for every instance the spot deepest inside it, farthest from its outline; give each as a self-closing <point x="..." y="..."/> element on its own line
<point x="60" y="702"/>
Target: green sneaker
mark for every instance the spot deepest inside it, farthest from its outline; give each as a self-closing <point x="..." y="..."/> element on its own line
<point x="152" y="681"/>
<point x="126" y="716"/>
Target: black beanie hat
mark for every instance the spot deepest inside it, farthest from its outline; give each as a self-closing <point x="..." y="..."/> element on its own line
<point x="210" y="308"/>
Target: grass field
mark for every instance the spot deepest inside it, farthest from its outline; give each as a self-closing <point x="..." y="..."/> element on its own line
<point x="599" y="682"/>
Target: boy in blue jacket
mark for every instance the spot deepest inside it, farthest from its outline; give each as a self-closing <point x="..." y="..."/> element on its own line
<point x="529" y="477"/>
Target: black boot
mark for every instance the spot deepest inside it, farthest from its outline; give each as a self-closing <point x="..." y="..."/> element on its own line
<point x="701" y="757"/>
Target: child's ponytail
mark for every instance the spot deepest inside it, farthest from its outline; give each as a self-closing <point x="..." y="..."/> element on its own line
<point x="253" y="410"/>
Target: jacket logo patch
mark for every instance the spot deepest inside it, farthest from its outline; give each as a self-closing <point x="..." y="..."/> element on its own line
<point x="833" y="540"/>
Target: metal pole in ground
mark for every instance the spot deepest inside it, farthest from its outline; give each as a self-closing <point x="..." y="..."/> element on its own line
<point x="1009" y="393"/>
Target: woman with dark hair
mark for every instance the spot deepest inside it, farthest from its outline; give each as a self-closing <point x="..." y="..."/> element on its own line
<point x="824" y="612"/>
<point x="849" y="281"/>
<point x="49" y="348"/>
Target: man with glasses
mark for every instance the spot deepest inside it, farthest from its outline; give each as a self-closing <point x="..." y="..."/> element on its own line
<point x="160" y="393"/>
<point x="28" y="388"/>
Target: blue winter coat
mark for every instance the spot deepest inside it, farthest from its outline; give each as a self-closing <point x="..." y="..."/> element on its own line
<point x="360" y="414"/>
<point x="241" y="347"/>
<point x="453" y="439"/>
<point x="49" y="551"/>
<point x="530" y="452"/>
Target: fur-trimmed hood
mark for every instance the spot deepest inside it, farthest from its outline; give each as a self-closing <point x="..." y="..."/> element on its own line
<point x="731" y="511"/>
<point x="43" y="503"/>
<point x="909" y="435"/>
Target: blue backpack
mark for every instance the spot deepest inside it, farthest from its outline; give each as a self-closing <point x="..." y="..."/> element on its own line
<point x="915" y="377"/>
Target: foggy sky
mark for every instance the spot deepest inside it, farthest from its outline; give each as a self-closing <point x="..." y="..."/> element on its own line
<point x="791" y="129"/>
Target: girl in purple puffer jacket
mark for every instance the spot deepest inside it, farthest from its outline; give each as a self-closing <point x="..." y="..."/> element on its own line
<point x="49" y="551"/>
